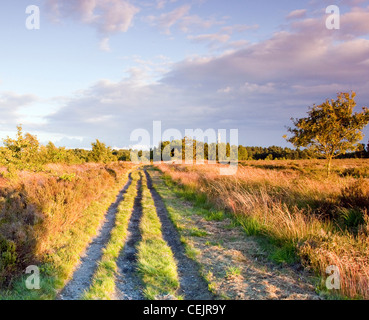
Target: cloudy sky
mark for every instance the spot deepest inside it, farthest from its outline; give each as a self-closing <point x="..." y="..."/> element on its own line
<point x="102" y="68"/>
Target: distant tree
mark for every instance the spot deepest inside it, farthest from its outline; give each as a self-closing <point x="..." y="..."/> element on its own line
<point x="100" y="153"/>
<point x="52" y="154"/>
<point x="122" y="154"/>
<point x="242" y="153"/>
<point x="331" y="128"/>
<point x="21" y="152"/>
<point x="269" y="157"/>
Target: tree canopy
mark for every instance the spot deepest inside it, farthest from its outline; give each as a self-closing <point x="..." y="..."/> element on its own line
<point x="331" y="128"/>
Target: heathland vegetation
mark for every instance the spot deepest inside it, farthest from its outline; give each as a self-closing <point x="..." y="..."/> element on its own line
<point x="49" y="209"/>
<point x="53" y="200"/>
<point x="304" y="215"/>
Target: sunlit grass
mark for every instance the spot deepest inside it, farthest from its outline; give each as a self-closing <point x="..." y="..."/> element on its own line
<point x="59" y="256"/>
<point x="155" y="260"/>
<point x="304" y="215"/>
<point x="103" y="281"/>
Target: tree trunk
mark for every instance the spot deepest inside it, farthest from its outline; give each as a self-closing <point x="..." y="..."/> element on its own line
<point x="329" y="166"/>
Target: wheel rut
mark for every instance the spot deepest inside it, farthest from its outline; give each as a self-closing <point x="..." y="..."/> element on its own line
<point x="128" y="283"/>
<point x="192" y="285"/>
<point x="82" y="276"/>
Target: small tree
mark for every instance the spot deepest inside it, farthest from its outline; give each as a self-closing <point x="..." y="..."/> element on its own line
<point x="101" y="153"/>
<point x="242" y="153"/>
<point x="22" y="152"/>
<point x="331" y="128"/>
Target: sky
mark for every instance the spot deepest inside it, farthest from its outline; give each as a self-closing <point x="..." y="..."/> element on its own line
<point x="100" y="69"/>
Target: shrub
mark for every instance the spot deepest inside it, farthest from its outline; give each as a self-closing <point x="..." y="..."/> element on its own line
<point x="38" y="210"/>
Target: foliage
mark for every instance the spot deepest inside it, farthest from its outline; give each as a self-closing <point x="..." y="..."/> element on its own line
<point x="331" y="129"/>
<point x="21" y="152"/>
<point x="41" y="212"/>
<point x="26" y="153"/>
<point x="101" y="153"/>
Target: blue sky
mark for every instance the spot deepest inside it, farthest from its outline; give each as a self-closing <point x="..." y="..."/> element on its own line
<point x="102" y="68"/>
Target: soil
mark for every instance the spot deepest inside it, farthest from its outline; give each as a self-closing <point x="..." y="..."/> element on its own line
<point x="82" y="276"/>
<point x="235" y="264"/>
<point x="192" y="285"/>
<point x="128" y="283"/>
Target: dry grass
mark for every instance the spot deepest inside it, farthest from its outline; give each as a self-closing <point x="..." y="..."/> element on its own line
<point x="323" y="220"/>
<point x="38" y="210"/>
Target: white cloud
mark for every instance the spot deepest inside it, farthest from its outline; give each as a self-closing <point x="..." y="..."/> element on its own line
<point x="106" y="16"/>
<point x="10" y="105"/>
<point x="160" y="4"/>
<point x="223" y="36"/>
<point x="297" y="14"/>
<point x="166" y="20"/>
<point x="239" y="28"/>
<point x="215" y="37"/>
<point x="255" y="88"/>
<point x="181" y="18"/>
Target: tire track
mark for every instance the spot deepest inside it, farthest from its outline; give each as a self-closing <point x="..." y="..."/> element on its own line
<point x="83" y="274"/>
<point x="192" y="285"/>
<point x="128" y="283"/>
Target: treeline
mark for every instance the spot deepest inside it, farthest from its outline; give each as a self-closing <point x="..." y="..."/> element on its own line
<point x="210" y="151"/>
<point x="26" y="152"/>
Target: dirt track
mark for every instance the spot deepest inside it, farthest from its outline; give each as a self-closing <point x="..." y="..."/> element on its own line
<point x="193" y="286"/>
<point x="258" y="279"/>
<point x="83" y="274"/>
<point x="128" y="284"/>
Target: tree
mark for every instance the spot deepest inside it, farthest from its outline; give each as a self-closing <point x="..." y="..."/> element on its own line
<point x="331" y="128"/>
<point x="242" y="153"/>
<point x="22" y="152"/>
<point x="100" y="153"/>
<point x="269" y="157"/>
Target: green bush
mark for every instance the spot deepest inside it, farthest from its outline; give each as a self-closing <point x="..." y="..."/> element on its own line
<point x="8" y="258"/>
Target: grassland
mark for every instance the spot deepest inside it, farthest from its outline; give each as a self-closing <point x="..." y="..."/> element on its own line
<point x="156" y="262"/>
<point x="248" y="233"/>
<point x="48" y="218"/>
<point x="103" y="282"/>
<point x="233" y="264"/>
<point x="305" y="216"/>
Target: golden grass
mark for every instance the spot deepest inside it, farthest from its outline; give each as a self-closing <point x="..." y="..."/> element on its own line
<point x="39" y="211"/>
<point x="293" y="203"/>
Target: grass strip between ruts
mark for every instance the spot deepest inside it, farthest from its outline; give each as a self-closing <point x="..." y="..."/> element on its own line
<point x="156" y="263"/>
<point x="103" y="281"/>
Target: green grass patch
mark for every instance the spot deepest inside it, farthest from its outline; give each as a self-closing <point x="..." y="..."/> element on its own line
<point x="195" y="232"/>
<point x="251" y="226"/>
<point x="233" y="272"/>
<point x="215" y="215"/>
<point x="103" y="281"/>
<point x="155" y="260"/>
<point x="284" y="254"/>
